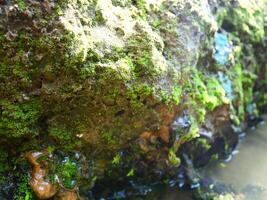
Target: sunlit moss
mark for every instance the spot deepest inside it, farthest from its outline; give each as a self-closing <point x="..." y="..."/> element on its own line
<point x="19" y="119"/>
<point x="173" y="159"/>
<point x="68" y="173"/>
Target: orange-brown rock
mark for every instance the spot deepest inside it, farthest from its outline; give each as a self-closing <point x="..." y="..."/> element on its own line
<point x="42" y="188"/>
<point x="165" y="114"/>
<point x="145" y="139"/>
<point x="164" y="133"/>
<point x="146" y="135"/>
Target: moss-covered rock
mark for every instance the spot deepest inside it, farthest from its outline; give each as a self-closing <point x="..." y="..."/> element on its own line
<point x="110" y="79"/>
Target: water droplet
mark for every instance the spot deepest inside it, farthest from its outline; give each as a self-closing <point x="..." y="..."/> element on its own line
<point x="235" y="152"/>
<point x="172" y="183"/>
<point x="195" y="185"/>
<point x="181" y="184"/>
<point x="228" y="159"/>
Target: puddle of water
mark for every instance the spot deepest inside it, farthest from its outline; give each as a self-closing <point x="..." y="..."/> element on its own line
<point x="247" y="171"/>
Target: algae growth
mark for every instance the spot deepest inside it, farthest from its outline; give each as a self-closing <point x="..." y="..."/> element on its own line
<point x="126" y="84"/>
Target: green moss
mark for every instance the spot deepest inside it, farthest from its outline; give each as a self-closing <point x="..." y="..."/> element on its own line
<point x="217" y="92"/>
<point x="201" y="95"/>
<point x="108" y="137"/>
<point x="68" y="173"/>
<point x="19" y="119"/>
<point x="138" y="94"/>
<point x="24" y="191"/>
<point x="139" y="49"/>
<point x="142" y="11"/>
<point x="22" y="5"/>
<point x="173" y="159"/>
<point x="98" y="19"/>
<point x="59" y="133"/>
<point x="249" y="17"/>
<point x="87" y="71"/>
<point x="201" y="115"/>
<point x="131" y="173"/>
<point x="204" y="94"/>
<point x="109" y="90"/>
<point x="176" y="94"/>
<point x="3" y="161"/>
<point x="244" y="95"/>
<point x="245" y="22"/>
<point x="63" y="138"/>
<point x="164" y="96"/>
<point x="193" y="131"/>
<point x="243" y="76"/>
<point x="157" y="24"/>
<point x="246" y="18"/>
<point x="204" y="143"/>
<point x="116" y="160"/>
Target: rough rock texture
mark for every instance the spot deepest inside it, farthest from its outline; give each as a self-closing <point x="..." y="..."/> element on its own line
<point x="123" y="88"/>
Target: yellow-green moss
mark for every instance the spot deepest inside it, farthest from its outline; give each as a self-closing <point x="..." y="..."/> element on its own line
<point x="19" y="119"/>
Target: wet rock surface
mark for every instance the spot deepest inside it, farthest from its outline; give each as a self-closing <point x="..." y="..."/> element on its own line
<point x="128" y="92"/>
<point x="41" y="187"/>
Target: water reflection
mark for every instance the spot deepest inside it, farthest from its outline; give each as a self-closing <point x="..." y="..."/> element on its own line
<point x="247" y="172"/>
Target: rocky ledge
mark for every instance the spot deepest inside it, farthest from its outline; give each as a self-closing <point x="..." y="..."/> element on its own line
<point x="124" y="90"/>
